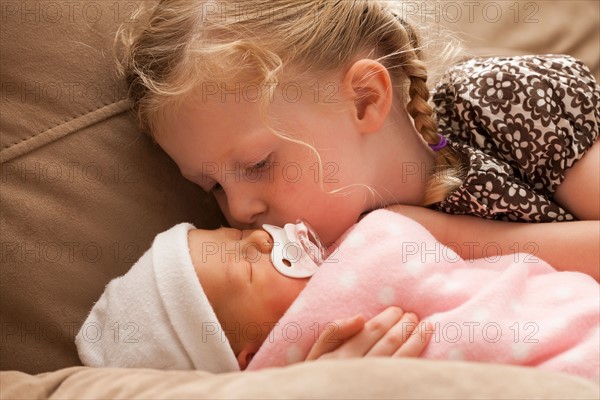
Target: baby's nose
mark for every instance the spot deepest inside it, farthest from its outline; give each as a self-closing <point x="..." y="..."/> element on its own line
<point x="260" y="239"/>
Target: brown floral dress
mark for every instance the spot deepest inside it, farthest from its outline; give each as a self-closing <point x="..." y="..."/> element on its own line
<point x="519" y="123"/>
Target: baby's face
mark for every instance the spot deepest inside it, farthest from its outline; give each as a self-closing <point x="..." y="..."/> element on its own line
<point x="246" y="291"/>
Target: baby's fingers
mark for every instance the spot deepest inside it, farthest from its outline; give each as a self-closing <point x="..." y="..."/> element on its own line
<point x="395" y="337"/>
<point x="334" y="335"/>
<point x="417" y="341"/>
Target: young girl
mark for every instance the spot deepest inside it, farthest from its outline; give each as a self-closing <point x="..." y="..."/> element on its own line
<point x="319" y="110"/>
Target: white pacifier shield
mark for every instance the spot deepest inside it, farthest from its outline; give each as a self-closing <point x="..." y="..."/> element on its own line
<point x="289" y="255"/>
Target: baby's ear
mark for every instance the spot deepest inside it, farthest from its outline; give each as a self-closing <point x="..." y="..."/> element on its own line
<point x="245" y="356"/>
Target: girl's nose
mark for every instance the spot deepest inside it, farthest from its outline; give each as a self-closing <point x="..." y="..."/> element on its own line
<point x="245" y="207"/>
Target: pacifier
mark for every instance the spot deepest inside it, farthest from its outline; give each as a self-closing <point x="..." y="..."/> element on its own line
<point x="297" y="251"/>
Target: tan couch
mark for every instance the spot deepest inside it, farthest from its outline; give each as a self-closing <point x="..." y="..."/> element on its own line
<point x="83" y="193"/>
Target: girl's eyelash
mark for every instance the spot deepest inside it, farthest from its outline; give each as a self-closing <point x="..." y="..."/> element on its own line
<point x="261" y="165"/>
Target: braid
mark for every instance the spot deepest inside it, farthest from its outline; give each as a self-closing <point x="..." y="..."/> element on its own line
<point x="448" y="174"/>
<point x="416" y="71"/>
<point x="418" y="107"/>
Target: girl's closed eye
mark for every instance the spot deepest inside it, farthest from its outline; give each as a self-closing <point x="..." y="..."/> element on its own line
<point x="210" y="186"/>
<point x="262" y="165"/>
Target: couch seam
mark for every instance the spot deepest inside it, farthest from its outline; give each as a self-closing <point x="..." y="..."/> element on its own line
<point x="61" y="123"/>
<point x="62" y="129"/>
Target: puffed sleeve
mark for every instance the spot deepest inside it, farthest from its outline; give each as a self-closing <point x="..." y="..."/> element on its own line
<point x="540" y="114"/>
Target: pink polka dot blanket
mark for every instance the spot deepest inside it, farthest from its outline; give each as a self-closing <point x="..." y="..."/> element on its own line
<point x="511" y="309"/>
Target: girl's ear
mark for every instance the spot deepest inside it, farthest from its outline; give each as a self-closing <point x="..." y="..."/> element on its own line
<point x="245" y="355"/>
<point x="370" y="87"/>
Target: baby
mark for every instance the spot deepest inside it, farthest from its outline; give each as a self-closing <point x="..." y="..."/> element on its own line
<point x="158" y="315"/>
<point x="252" y="310"/>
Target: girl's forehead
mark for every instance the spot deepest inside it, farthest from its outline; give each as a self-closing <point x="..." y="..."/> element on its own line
<point x="206" y="149"/>
<point x="212" y="134"/>
<point x="212" y="123"/>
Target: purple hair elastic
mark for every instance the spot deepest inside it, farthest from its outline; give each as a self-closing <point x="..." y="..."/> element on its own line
<point x="440" y="145"/>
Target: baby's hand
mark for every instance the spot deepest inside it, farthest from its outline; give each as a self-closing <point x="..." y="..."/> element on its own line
<point x="391" y="333"/>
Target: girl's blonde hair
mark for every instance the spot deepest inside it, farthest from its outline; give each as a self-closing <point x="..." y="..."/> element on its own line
<point x="183" y="43"/>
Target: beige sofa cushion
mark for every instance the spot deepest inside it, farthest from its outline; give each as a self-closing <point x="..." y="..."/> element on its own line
<point x="525" y="27"/>
<point x="366" y="378"/>
<point x="83" y="192"/>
